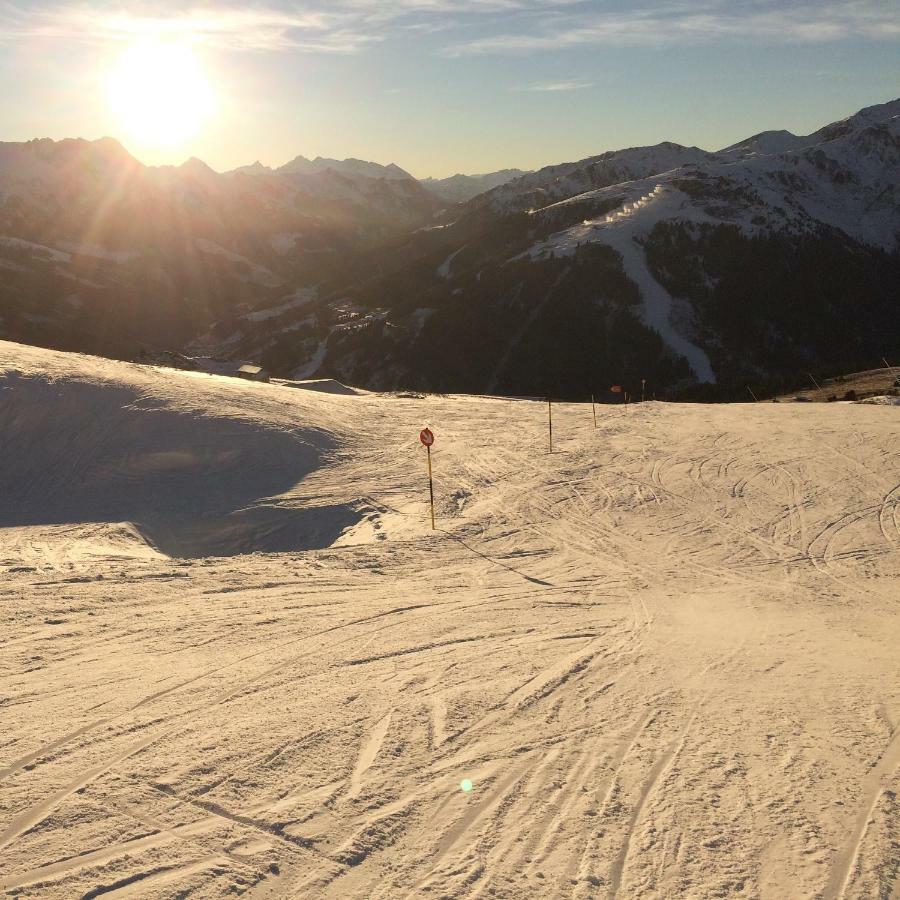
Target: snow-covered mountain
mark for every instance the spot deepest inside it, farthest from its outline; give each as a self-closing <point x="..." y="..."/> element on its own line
<point x="670" y="263"/>
<point x="459" y="188"/>
<point x="770" y="143"/>
<point x="300" y="165"/>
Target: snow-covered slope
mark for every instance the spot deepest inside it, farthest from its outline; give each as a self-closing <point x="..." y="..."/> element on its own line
<point x="660" y="661"/>
<point x="553" y="183"/>
<point x="845" y="177"/>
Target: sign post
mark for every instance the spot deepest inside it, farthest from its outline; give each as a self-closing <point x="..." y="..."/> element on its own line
<point x="550" y="421"/>
<point x="426" y="436"/>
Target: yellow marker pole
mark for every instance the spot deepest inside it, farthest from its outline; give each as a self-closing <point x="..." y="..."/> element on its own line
<point x="550" y="421"/>
<point x="594" y="410"/>
<point x="430" y="487"/>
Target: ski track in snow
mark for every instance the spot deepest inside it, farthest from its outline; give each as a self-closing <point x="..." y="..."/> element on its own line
<point x="664" y="655"/>
<point x="658" y="304"/>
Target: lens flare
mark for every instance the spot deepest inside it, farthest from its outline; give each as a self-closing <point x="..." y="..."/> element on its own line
<point x="465" y="785"/>
<point x="160" y="93"/>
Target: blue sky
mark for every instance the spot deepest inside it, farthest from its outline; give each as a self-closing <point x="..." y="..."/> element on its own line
<point x="473" y="85"/>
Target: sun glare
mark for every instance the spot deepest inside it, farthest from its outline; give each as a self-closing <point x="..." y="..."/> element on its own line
<point x="160" y="93"/>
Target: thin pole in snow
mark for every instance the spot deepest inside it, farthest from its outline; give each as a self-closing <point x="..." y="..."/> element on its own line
<point x="430" y="487"/>
<point x="550" y="421"/>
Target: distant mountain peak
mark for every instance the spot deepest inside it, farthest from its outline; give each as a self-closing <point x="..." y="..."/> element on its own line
<point x="256" y="168"/>
<point x="459" y="188"/>
<point x="303" y="166"/>
<point x="774" y="143"/>
<point x="195" y="165"/>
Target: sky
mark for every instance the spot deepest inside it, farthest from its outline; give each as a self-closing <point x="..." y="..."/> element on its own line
<point x="436" y="86"/>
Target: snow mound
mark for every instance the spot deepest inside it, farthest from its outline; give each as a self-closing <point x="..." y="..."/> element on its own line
<point x="65" y="546"/>
<point x="323" y="386"/>
<point x="153" y="457"/>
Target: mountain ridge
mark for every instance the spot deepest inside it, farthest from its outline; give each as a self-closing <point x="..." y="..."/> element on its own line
<point x="377" y="282"/>
<point x="630" y="243"/>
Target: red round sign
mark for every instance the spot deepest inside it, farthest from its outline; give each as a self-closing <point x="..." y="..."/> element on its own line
<point x="426" y="437"/>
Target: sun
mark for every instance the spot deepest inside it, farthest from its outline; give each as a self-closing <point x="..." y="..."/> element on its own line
<point x="160" y="93"/>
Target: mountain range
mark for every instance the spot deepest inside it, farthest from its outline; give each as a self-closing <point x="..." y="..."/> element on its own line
<point x="459" y="188"/>
<point x="698" y="272"/>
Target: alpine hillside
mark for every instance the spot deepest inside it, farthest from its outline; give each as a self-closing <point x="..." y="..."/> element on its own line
<point x="101" y="253"/>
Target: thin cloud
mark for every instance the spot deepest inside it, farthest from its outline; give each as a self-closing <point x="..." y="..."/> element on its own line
<point x="558" y="86"/>
<point x="500" y="26"/>
<point x="698" y="22"/>
<point x="242" y="29"/>
<point x="330" y="26"/>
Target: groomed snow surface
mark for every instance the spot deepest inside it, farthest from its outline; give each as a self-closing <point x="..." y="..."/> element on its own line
<point x="235" y="660"/>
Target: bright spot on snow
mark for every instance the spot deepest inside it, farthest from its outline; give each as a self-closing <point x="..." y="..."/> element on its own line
<point x="466" y="785"/>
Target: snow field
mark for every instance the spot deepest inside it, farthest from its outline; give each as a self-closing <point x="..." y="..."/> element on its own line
<point x="664" y="656"/>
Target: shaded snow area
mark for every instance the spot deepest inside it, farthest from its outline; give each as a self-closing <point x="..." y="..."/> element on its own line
<point x="256" y="274"/>
<point x="83" y="249"/>
<point x="310" y="368"/>
<point x="443" y="270"/>
<point x="285" y="242"/>
<point x="38" y="251"/>
<point x="662" y="658"/>
<point x="298" y="298"/>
